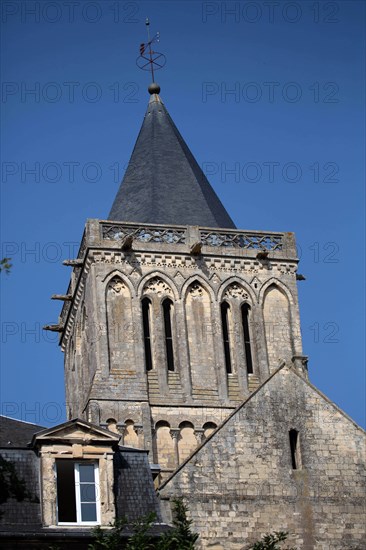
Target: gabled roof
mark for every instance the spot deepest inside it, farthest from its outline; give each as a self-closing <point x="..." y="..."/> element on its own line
<point x="16" y="433"/>
<point x="163" y="183"/>
<point x="76" y="430"/>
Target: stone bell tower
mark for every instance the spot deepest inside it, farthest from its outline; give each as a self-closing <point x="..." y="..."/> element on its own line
<point x="173" y="316"/>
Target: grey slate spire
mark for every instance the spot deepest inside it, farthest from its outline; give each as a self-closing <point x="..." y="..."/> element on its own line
<point x="163" y="183"/>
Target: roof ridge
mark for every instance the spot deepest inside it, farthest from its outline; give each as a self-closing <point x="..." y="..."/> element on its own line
<point x="23" y="421"/>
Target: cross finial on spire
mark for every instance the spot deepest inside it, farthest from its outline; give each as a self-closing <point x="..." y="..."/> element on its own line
<point x="150" y="60"/>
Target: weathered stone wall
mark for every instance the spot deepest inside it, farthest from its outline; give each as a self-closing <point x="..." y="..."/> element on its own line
<point x="276" y="311"/>
<point x="241" y="484"/>
<point x="105" y="370"/>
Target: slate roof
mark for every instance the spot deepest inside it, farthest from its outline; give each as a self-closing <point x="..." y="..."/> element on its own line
<point x="16" y="433"/>
<point x="20" y="521"/>
<point x="163" y="183"/>
<point x="133" y="485"/>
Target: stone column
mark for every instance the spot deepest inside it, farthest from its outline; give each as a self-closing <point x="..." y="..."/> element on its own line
<point x="106" y="476"/>
<point x="182" y="349"/>
<point x="222" y="385"/>
<point x="199" y="433"/>
<point x="139" y="431"/>
<point x="121" y="427"/>
<point x="154" y="454"/>
<point x="175" y="434"/>
<point x="158" y="344"/>
<point x="237" y="344"/>
<point x="139" y="347"/>
<point x="48" y="489"/>
<point x="260" y="343"/>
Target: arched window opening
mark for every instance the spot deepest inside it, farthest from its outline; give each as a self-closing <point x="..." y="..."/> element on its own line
<point x="187" y="441"/>
<point x="146" y="308"/>
<point x="278" y="335"/>
<point x="294" y="448"/>
<point x="168" y="311"/>
<point x="245" y="309"/>
<point x="225" y="334"/>
<point x="112" y="425"/>
<point x="130" y="438"/>
<point x="208" y="428"/>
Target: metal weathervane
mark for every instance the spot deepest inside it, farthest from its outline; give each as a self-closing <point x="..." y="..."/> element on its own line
<point x="149" y="59"/>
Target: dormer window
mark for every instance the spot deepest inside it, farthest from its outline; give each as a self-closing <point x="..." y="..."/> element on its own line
<point x="77" y="494"/>
<point x="77" y="474"/>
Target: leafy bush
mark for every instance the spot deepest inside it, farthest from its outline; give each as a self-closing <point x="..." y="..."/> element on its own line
<point x="270" y="542"/>
<point x="180" y="537"/>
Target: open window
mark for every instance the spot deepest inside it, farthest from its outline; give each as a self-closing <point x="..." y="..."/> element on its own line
<point x="167" y="311"/>
<point x="295" y="449"/>
<point x="146" y="312"/>
<point x="77" y="492"/>
<point x="245" y="313"/>
<point x="71" y="469"/>
<point x="225" y="308"/>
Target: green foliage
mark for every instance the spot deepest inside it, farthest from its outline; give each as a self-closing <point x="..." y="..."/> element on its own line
<point x="270" y="542"/>
<point x="111" y="539"/>
<point x="178" y="538"/>
<point x="181" y="537"/>
<point x="140" y="540"/>
<point x="5" y="265"/>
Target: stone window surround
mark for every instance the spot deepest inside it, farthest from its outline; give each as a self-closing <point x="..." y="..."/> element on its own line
<point x="157" y="291"/>
<point x="78" y="441"/>
<point x="236" y="334"/>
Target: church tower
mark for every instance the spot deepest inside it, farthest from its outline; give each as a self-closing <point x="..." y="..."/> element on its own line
<point x="173" y="316"/>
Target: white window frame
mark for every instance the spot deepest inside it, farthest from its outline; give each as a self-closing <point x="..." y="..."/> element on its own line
<point x="78" y="495"/>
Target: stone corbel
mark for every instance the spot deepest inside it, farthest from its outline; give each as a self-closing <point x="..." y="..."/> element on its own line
<point x="121" y="427"/>
<point x="301" y="364"/>
<point x="138" y="429"/>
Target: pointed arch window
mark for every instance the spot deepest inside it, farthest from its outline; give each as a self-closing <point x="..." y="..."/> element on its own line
<point x="225" y="334"/>
<point x="245" y="313"/>
<point x="168" y="314"/>
<point x="146" y="311"/>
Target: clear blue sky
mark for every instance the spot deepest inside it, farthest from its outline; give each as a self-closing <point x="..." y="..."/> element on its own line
<point x="292" y="130"/>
